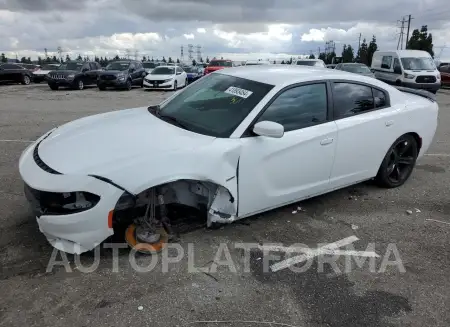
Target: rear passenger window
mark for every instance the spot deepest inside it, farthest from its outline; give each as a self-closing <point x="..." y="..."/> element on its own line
<point x="299" y="107"/>
<point x="351" y="99"/>
<point x="379" y="98"/>
<point x="386" y="62"/>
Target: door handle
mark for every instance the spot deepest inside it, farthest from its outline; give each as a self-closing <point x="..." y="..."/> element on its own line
<point x="326" y="141"/>
<point x="389" y="123"/>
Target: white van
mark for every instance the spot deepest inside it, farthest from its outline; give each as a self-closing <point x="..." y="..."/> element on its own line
<point x="410" y="68"/>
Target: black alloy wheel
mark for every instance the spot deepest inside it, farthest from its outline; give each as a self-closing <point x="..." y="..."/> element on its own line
<point x="399" y="162"/>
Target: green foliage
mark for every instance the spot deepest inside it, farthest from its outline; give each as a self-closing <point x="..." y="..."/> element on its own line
<point x="347" y="53"/>
<point x="421" y="40"/>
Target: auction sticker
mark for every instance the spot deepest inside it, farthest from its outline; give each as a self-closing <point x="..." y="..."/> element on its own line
<point x="238" y="92"/>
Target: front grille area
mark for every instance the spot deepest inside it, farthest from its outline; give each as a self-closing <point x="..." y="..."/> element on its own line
<point x="426" y="79"/>
<point x="42" y="164"/>
<point x="50" y="203"/>
<point x="57" y="76"/>
<point x="155" y="82"/>
<point x="108" y="77"/>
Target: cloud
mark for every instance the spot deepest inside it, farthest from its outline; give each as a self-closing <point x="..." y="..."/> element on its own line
<point x="234" y="27"/>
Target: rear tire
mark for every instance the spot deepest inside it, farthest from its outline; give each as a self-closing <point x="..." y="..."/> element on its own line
<point x="101" y="87"/>
<point x="26" y="80"/>
<point x="54" y="87"/>
<point x="398" y="163"/>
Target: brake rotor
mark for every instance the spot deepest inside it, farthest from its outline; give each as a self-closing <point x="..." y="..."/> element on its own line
<point x="143" y="247"/>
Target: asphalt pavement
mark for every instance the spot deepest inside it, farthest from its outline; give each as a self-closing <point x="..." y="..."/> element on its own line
<point x="402" y="236"/>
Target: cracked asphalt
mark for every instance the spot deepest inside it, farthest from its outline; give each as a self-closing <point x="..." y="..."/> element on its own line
<point x="251" y="296"/>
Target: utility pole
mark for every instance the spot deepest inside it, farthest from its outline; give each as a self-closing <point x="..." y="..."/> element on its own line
<point x="407" y="33"/>
<point x="400" y="37"/>
<point x="359" y="42"/>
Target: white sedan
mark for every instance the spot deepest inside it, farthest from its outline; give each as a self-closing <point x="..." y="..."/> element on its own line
<point x="166" y="77"/>
<point x="237" y="142"/>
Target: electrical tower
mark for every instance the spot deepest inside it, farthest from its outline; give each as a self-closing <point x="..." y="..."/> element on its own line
<point x="199" y="52"/>
<point x="190" y="51"/>
<point x="182" y="54"/>
<point x="400" y="37"/>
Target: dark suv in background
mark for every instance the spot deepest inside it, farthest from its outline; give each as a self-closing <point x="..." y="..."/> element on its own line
<point x="12" y="73"/>
<point x="122" y="74"/>
<point x="74" y="74"/>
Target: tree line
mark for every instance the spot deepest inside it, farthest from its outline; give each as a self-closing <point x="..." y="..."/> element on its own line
<point x="419" y="40"/>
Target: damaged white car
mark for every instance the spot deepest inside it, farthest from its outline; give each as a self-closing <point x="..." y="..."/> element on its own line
<point x="235" y="143"/>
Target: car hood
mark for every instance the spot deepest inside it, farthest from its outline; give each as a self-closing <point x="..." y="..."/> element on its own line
<point x="102" y="144"/>
<point x="41" y="72"/>
<point x="64" y="72"/>
<point x="112" y="72"/>
<point x="158" y="77"/>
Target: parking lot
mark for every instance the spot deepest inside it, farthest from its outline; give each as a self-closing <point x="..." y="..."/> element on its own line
<point x="413" y="218"/>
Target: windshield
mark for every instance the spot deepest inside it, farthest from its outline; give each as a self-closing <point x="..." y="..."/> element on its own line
<point x="307" y="62"/>
<point x="216" y="104"/>
<point x="358" y="69"/>
<point x="163" y="71"/>
<point x="149" y="64"/>
<point x="418" y="64"/>
<point x="220" y="63"/>
<point x="71" y="66"/>
<point x="118" y="65"/>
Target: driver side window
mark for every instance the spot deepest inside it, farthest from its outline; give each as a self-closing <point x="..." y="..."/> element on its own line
<point x="397" y="64"/>
<point x="299" y="107"/>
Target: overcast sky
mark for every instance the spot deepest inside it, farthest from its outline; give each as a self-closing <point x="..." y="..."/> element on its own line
<point x="237" y="29"/>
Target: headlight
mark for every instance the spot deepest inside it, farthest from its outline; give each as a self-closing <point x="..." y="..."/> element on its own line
<point x="167" y="80"/>
<point x="79" y="201"/>
<point x="438" y="76"/>
<point x="409" y="76"/>
<point x="71" y="76"/>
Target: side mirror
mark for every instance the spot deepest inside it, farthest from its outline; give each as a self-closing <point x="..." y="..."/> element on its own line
<point x="132" y="70"/>
<point x="397" y="70"/>
<point x="269" y="129"/>
<point x="178" y="73"/>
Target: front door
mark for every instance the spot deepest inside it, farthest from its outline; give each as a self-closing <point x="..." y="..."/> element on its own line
<point x="278" y="171"/>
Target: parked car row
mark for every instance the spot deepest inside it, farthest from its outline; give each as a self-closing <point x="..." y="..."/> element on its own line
<point x="121" y="74"/>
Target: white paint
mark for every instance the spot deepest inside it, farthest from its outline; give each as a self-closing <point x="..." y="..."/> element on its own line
<point x="18" y="141"/>
<point x="329" y="249"/>
<point x="273" y="172"/>
<point x="242" y="93"/>
<point x="438" y="221"/>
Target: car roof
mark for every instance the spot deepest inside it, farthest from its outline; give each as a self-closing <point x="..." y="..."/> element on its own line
<point x="406" y="53"/>
<point x="307" y="59"/>
<point x="281" y="75"/>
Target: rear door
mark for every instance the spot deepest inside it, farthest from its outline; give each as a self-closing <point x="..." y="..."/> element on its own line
<point x="366" y="128"/>
<point x="278" y="171"/>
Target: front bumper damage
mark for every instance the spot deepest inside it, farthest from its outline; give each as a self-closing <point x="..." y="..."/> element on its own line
<point x="80" y="231"/>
